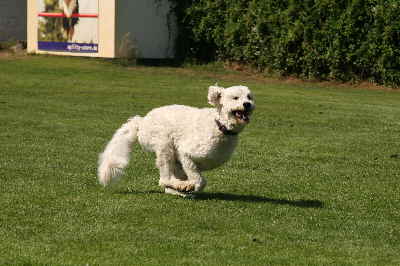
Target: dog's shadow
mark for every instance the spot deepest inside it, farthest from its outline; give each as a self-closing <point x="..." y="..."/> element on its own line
<point x="219" y="196"/>
<point x="260" y="199"/>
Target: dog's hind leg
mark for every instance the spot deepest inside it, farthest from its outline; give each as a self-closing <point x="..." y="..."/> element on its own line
<point x="165" y="163"/>
<point x="172" y="178"/>
<point x="178" y="171"/>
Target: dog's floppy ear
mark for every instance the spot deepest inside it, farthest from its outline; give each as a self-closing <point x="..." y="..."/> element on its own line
<point x="214" y="95"/>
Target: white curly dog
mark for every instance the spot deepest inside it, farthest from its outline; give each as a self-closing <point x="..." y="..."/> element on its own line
<point x="186" y="140"/>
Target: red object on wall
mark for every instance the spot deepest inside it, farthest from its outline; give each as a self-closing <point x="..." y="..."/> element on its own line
<point x="62" y="15"/>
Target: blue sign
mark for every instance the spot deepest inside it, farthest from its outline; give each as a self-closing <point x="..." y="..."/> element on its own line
<point x="69" y="47"/>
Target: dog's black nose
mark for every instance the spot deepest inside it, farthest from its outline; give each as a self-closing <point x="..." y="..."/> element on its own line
<point x="247" y="105"/>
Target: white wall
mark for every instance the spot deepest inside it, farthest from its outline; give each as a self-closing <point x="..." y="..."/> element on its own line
<point x="151" y="27"/>
<point x="12" y="20"/>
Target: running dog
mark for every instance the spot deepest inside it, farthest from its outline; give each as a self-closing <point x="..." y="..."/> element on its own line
<point x="186" y="140"/>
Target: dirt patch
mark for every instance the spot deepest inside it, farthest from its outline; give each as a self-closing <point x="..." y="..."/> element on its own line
<point x="12" y="49"/>
<point x="5" y="53"/>
<point x="241" y="74"/>
<point x="254" y="74"/>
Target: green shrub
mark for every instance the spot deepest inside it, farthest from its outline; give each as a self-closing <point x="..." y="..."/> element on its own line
<point x="324" y="39"/>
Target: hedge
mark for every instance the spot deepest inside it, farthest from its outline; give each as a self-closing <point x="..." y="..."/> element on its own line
<point x="311" y="39"/>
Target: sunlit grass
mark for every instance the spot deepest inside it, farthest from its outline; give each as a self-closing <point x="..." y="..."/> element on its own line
<point x="314" y="181"/>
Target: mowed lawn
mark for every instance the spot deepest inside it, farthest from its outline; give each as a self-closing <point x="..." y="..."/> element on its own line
<point x="314" y="180"/>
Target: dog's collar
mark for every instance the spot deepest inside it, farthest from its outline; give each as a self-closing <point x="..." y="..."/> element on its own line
<point x="224" y="130"/>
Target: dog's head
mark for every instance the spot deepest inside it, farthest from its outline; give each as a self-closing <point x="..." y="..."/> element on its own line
<point x="234" y="104"/>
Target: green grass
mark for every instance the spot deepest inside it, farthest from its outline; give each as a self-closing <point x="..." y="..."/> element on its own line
<point x="314" y="181"/>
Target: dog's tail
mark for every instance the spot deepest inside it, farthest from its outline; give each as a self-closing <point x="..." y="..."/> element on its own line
<point x="116" y="154"/>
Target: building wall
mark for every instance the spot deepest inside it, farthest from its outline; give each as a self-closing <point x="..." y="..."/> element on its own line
<point x="13" y="18"/>
<point x="149" y="25"/>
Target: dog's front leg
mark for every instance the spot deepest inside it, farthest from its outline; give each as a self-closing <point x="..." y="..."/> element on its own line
<point x="166" y="164"/>
<point x="195" y="179"/>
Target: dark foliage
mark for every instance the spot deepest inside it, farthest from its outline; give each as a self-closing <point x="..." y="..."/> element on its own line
<point x="323" y="39"/>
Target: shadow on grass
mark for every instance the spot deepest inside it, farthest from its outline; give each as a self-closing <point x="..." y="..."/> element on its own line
<point x="243" y="198"/>
<point x="127" y="192"/>
<point x="253" y="198"/>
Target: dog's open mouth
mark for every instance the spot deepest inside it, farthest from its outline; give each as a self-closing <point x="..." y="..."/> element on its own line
<point x="241" y="115"/>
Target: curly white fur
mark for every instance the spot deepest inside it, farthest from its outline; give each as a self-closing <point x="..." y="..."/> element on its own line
<point x="186" y="140"/>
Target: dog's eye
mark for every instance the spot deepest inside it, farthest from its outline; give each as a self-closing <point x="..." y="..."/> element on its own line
<point x="249" y="97"/>
<point x="236" y="98"/>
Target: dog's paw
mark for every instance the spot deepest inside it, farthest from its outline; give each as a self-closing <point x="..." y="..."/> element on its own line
<point x="191" y="187"/>
<point x="185" y="187"/>
<point x="178" y="193"/>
